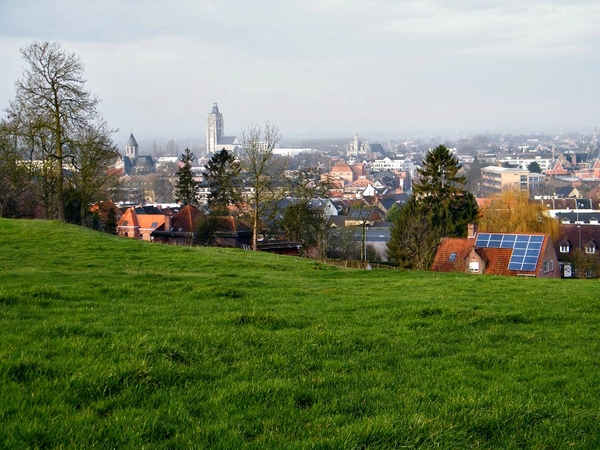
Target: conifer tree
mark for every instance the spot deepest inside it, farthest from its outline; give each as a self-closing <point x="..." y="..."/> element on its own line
<point x="223" y="178"/>
<point x="186" y="188"/>
<point x="439" y="207"/>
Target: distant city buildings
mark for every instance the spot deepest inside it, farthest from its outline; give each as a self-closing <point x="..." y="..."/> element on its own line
<point x="357" y="147"/>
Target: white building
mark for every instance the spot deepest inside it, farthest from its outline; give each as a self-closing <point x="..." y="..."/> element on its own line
<point x="388" y="164"/>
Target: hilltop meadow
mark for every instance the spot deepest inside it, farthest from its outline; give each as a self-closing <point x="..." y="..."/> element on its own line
<point x="109" y="342"/>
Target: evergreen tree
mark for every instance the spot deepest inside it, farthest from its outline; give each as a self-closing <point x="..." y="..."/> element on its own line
<point x="186" y="188"/>
<point x="223" y="178"/>
<point x="414" y="238"/>
<point x="439" y="207"/>
<point x="534" y="167"/>
<point x="110" y="226"/>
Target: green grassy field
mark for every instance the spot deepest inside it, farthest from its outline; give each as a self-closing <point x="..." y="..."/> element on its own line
<point x="113" y="343"/>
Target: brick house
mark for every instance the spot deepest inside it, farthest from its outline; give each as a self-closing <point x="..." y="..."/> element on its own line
<point x="511" y="254"/>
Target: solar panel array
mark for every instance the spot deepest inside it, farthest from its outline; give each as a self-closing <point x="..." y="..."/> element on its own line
<point x="526" y="248"/>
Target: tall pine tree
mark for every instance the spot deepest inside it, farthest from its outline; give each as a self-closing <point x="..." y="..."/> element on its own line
<point x="439" y="207"/>
<point x="186" y="188"/>
<point x="224" y="182"/>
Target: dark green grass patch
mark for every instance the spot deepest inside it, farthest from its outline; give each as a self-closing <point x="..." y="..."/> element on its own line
<point x="114" y="343"/>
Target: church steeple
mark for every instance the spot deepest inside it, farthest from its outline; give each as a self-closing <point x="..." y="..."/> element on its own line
<point x="131" y="149"/>
<point x="214" y="129"/>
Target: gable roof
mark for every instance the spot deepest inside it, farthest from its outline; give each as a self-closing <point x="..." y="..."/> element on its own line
<point x="128" y="219"/>
<point x="498" y="255"/>
<point x="184" y="221"/>
<point x="459" y="248"/>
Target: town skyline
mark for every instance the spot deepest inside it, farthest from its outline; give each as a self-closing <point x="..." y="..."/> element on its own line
<point x="377" y="68"/>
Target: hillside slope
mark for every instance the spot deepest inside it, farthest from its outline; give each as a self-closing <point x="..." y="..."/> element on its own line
<point x="111" y="342"/>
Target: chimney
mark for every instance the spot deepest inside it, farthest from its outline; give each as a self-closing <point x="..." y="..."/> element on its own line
<point x="472" y="230"/>
<point x="167" y="222"/>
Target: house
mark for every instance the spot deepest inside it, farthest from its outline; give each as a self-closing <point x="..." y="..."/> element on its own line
<point x="567" y="192"/>
<point x="231" y="232"/>
<point x="512" y="254"/>
<point x="138" y="223"/>
<point x="574" y="238"/>
<point x="179" y="229"/>
<point x="342" y="171"/>
<point x="557" y="169"/>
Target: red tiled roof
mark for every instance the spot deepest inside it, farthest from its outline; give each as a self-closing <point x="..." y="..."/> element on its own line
<point x="128" y="219"/>
<point x="460" y="247"/>
<point x="496" y="259"/>
<point x="150" y="221"/>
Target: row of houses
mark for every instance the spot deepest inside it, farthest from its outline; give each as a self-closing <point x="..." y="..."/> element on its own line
<point x="579" y="233"/>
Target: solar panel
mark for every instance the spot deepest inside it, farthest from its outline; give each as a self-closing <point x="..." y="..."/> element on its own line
<point x="526" y="248"/>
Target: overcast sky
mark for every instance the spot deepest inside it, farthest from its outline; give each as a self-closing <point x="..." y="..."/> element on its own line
<point x="320" y="68"/>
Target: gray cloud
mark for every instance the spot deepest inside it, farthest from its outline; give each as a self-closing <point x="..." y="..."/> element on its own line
<point x="342" y="65"/>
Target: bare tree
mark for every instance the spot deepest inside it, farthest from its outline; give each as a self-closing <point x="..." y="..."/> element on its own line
<point x="91" y="174"/>
<point x="52" y="104"/>
<point x="262" y="171"/>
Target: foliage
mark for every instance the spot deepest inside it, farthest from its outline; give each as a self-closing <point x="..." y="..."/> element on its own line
<point x="512" y="212"/>
<point x="534" y="167"/>
<point x="439" y="207"/>
<point x="130" y="344"/>
<point x="222" y="173"/>
<point x="205" y="229"/>
<point x="303" y="220"/>
<point x="303" y="223"/>
<point x="55" y="121"/>
<point x="393" y="213"/>
<point x="343" y="243"/>
<point x="92" y="177"/>
<point x="586" y="265"/>
<point x="186" y="188"/>
<point x="473" y="176"/>
<point x="110" y="226"/>
<point x="413" y="238"/>
<point x="262" y="172"/>
<point x="16" y="196"/>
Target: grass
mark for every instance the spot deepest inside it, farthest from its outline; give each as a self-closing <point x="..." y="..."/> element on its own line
<point x="114" y="343"/>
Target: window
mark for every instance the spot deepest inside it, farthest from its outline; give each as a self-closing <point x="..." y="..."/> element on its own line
<point x="548" y="266"/>
<point x="452" y="257"/>
<point x="473" y="266"/>
<point x="564" y="248"/>
<point x="590" y="249"/>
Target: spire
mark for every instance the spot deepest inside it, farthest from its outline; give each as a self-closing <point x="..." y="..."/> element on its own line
<point x="131" y="142"/>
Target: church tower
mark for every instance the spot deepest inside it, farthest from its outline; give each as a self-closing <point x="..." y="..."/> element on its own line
<point x="214" y="129"/>
<point x="131" y="149"/>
